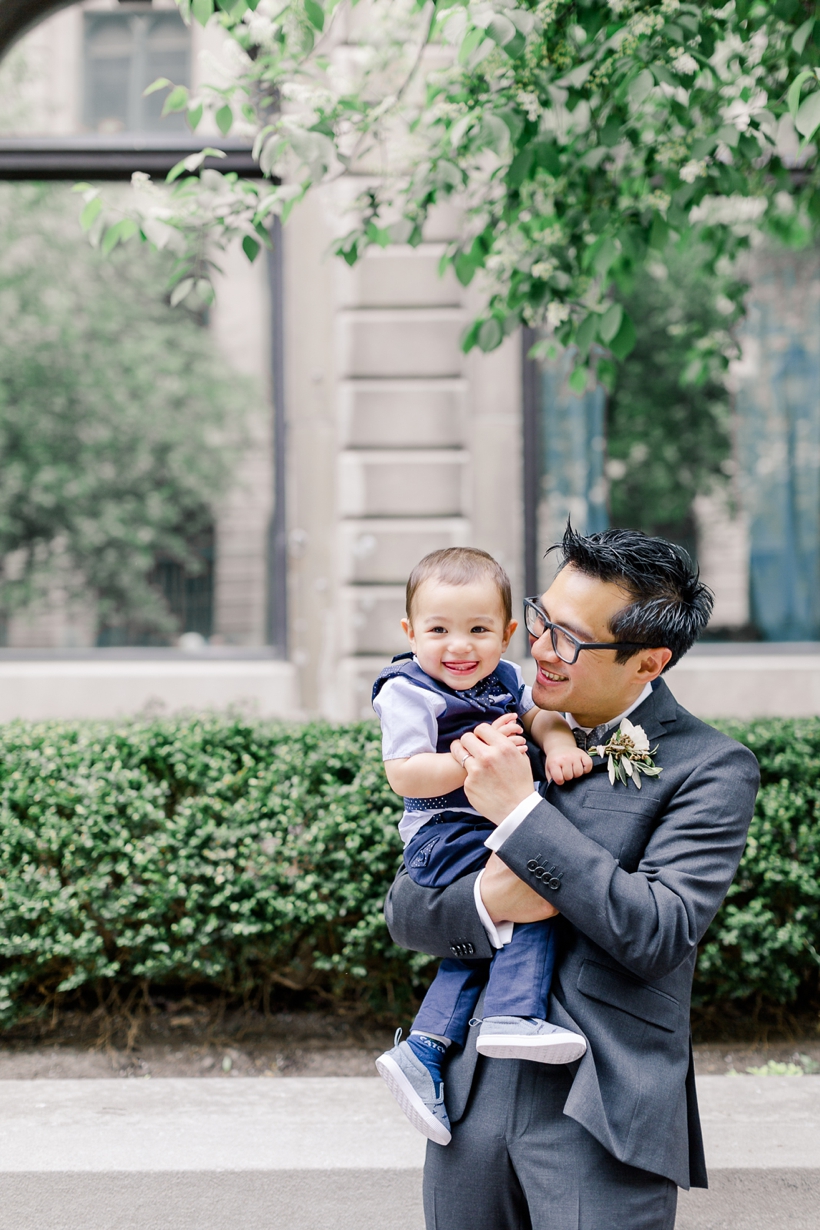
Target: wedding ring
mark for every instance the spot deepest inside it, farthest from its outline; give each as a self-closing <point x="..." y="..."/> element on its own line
<point x="465" y="759"/>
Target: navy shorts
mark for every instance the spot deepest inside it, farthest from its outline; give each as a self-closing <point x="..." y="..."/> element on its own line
<point x="447" y="847"/>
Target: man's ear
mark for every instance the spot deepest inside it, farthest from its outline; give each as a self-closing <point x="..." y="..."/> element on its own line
<point x="508" y="632"/>
<point x="650" y="663"/>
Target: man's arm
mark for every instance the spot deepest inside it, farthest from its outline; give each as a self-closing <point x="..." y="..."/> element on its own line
<point x="650" y="919"/>
<point x="432" y="920"/>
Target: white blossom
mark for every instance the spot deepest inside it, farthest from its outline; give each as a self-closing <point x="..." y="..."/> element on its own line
<point x="556" y="314"/>
<point x="692" y="170"/>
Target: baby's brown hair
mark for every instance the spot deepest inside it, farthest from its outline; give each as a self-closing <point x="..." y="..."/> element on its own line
<point x="460" y="566"/>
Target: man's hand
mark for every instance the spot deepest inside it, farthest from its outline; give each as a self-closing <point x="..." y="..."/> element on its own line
<point x="507" y="725"/>
<point x="498" y="776"/>
<point x="508" y="899"/>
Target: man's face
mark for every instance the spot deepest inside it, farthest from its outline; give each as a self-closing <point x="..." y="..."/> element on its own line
<point x="594" y="687"/>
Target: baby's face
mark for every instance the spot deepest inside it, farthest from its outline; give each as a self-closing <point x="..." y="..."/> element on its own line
<point x="458" y="632"/>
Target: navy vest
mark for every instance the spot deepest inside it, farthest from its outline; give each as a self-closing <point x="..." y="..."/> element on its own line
<point x="500" y="692"/>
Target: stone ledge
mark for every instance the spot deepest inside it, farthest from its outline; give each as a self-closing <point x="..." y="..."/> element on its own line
<point x="110" y="688"/>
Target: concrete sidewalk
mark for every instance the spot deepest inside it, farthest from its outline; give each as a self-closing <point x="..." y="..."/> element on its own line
<point x="333" y="1154"/>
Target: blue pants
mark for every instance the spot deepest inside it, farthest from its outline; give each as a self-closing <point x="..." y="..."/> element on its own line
<point x="518" y="977"/>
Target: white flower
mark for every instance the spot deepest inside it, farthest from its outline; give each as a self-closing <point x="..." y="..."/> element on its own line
<point x="685" y="64"/>
<point x="557" y="313"/>
<point x="528" y="102"/>
<point x="637" y="734"/>
<point x="734" y="210"/>
<point x="692" y="170"/>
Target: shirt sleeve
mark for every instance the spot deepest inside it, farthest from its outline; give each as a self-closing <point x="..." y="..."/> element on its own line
<point x="508" y="826"/>
<point x="526" y="702"/>
<point x="499" y="934"/>
<point x="409" y="718"/>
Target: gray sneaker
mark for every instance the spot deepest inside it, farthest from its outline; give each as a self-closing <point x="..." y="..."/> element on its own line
<point x="525" y="1037"/>
<point x="414" y="1089"/>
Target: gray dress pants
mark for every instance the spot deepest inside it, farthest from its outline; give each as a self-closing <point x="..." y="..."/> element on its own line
<point x="517" y="1162"/>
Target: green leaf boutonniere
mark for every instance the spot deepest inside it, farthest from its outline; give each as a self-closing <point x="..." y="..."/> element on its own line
<point x="628" y="755"/>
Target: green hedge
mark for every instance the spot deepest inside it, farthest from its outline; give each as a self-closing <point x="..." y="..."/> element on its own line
<point x="252" y="860"/>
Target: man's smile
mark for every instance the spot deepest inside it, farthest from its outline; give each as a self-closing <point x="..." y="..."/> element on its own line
<point x="546" y="676"/>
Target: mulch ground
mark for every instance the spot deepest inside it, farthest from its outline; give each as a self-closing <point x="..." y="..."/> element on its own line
<point x="191" y="1040"/>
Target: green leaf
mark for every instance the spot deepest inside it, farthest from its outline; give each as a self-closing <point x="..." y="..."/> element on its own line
<point x="194" y="116"/>
<point x="793" y="96"/>
<point x="578" y="76"/>
<point x="202" y="11"/>
<point x="205" y="290"/>
<point x="640" y="87"/>
<point x="250" y="247"/>
<point x="624" y="340"/>
<point x="464" y="267"/>
<point x="160" y="84"/>
<point x="471" y="41"/>
<point x="577" y="382"/>
<point x="315" y="14"/>
<point x="586" y="333"/>
<point x="224" y="119"/>
<point x="490" y="334"/>
<point x="181" y="291"/>
<point x="801" y="36"/>
<point x="90" y="213"/>
<point x="610" y="323"/>
<point x="519" y="167"/>
<point x="605" y="253"/>
<point x="177" y="100"/>
<point x="120" y="232"/>
<point x="501" y="30"/>
<point x="808" y="117"/>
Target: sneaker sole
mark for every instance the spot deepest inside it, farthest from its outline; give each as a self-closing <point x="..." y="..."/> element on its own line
<point x="537" y="1049"/>
<point x="410" y="1102"/>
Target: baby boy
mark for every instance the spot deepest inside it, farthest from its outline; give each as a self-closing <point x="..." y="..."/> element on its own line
<point x="459" y="623"/>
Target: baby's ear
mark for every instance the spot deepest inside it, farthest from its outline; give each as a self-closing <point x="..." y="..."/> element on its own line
<point x="408" y="629"/>
<point x="508" y="631"/>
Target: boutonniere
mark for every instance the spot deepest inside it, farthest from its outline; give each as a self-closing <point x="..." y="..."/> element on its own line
<point x="628" y="755"/>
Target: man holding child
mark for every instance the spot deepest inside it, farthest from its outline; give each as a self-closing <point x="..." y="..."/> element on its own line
<point x="629" y="852"/>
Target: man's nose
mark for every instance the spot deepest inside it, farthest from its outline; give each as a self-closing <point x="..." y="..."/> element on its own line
<point x="541" y="648"/>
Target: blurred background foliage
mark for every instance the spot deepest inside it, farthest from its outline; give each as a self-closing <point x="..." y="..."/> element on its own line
<point x="669" y="418"/>
<point x="119" y="424"/>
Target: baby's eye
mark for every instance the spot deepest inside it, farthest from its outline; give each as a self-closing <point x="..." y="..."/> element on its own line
<point x="437" y="629"/>
<point x="477" y="629"/>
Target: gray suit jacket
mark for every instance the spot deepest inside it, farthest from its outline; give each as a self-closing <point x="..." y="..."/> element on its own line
<point x="640" y="876"/>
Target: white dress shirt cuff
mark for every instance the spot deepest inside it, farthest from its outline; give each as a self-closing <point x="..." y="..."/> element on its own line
<point x="507" y="827"/>
<point x="498" y="934"/>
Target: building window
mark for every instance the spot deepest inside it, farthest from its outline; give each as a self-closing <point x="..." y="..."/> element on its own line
<point x="124" y="53"/>
<point x="189" y="596"/>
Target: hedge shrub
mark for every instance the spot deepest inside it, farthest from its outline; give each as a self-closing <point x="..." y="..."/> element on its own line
<point x="242" y="857"/>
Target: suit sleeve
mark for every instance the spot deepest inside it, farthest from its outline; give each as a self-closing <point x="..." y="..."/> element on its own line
<point x="431" y="920"/>
<point x="651" y="919"/>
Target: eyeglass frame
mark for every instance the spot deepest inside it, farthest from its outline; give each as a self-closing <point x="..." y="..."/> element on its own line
<point x="579" y="645"/>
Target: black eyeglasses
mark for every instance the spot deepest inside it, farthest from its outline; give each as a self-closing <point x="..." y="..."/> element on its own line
<point x="566" y="646"/>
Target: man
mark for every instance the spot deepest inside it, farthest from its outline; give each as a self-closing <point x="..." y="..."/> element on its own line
<point x="635" y="876"/>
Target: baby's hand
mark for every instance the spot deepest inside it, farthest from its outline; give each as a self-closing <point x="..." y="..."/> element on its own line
<point x="564" y="765"/>
<point x="509" y="726"/>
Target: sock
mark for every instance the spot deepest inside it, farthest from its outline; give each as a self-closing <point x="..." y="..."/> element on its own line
<point x="430" y="1051"/>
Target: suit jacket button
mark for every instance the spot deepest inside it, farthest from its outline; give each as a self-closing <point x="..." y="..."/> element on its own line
<point x="554" y="884"/>
<point x="532" y="865"/>
<point x="469" y="949"/>
<point x="538" y="872"/>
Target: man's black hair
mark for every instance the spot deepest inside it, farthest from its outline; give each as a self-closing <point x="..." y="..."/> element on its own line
<point x="670" y="607"/>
